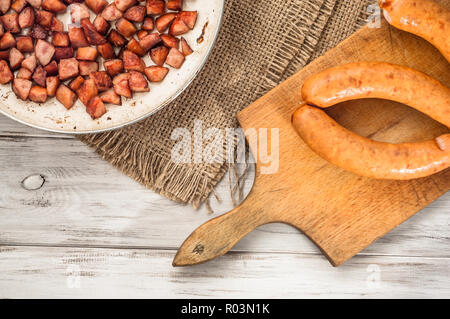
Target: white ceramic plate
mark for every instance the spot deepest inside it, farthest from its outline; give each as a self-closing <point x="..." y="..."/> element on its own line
<point x="52" y="115"/>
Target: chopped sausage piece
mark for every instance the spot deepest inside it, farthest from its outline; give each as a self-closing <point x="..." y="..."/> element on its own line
<point x="87" y="53"/>
<point x="149" y="41"/>
<point x="26" y="18"/>
<point x="137" y="82"/>
<point x="15" y="58"/>
<point x="5" y="72"/>
<point x="44" y="18"/>
<point x="159" y="55"/>
<point x="175" y="58"/>
<point x="96" y="5"/>
<point x="30" y="62"/>
<point x="135" y="14"/>
<point x="24" y="73"/>
<point x="87" y="91"/>
<point x="4" y="55"/>
<point x="123" y="5"/>
<point x="35" y="3"/>
<point x="113" y="67"/>
<point x="185" y="48"/>
<point x="57" y="25"/>
<point x="189" y="18"/>
<point x="91" y="33"/>
<point x="96" y="108"/>
<point x="178" y="27"/>
<point x="164" y="21"/>
<point x="38" y="32"/>
<point x="79" y="11"/>
<point x="170" y="41"/>
<point x="38" y="94"/>
<point x="68" y="68"/>
<point x="52" y="83"/>
<point x="102" y="80"/>
<point x="66" y="96"/>
<point x="116" y="38"/>
<point x="132" y="62"/>
<point x="148" y="24"/>
<point x="101" y="25"/>
<point x="142" y="33"/>
<point x="122" y="88"/>
<point x="18" y="5"/>
<point x="22" y="88"/>
<point x="60" y="39"/>
<point x="125" y="27"/>
<point x="175" y="5"/>
<point x="106" y="51"/>
<point x="10" y="22"/>
<point x="155" y="7"/>
<point x="63" y="53"/>
<point x="77" y="37"/>
<point x="111" y="97"/>
<point x="76" y="83"/>
<point x="134" y="46"/>
<point x="25" y="44"/>
<point x="7" y="41"/>
<point x="54" y="6"/>
<point x="44" y="51"/>
<point x="5" y="5"/>
<point x="39" y="76"/>
<point x="51" y="68"/>
<point x="111" y="13"/>
<point x="86" y="67"/>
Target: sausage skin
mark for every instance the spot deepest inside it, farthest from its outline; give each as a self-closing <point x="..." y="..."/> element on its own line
<point x="366" y="157"/>
<point x="379" y="80"/>
<point x="424" y="18"/>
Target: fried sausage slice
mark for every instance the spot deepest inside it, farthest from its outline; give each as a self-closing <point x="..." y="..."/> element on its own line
<point x="106" y="51"/>
<point x="22" y="87"/>
<point x="26" y="18"/>
<point x="68" y="68"/>
<point x="51" y="83"/>
<point x="137" y="82"/>
<point x="132" y="62"/>
<point x="175" y="58"/>
<point x="15" y="58"/>
<point x="111" y="13"/>
<point x="113" y="67"/>
<point x="38" y="94"/>
<point x="156" y="73"/>
<point x="135" y="14"/>
<point x="86" y="67"/>
<point x="44" y="51"/>
<point x="102" y="80"/>
<point x="96" y="5"/>
<point x="66" y="96"/>
<point x="96" y="108"/>
<point x="91" y="33"/>
<point x="87" y="91"/>
<point x="111" y="97"/>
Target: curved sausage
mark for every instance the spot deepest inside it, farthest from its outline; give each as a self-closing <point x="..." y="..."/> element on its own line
<point x="366" y="157"/>
<point x="424" y="18"/>
<point x="379" y="80"/>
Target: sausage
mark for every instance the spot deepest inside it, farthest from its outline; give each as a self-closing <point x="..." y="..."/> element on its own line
<point x="132" y="62"/>
<point x="156" y="73"/>
<point x="175" y="58"/>
<point x="102" y="80"/>
<point x="68" y="68"/>
<point x="366" y="157"/>
<point x="379" y="80"/>
<point x="424" y="18"/>
<point x="137" y="82"/>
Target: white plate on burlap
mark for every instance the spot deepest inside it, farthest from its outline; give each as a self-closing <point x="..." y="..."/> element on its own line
<point x="53" y="116"/>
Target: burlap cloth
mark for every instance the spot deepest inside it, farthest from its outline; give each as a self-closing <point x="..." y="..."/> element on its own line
<point x="260" y="44"/>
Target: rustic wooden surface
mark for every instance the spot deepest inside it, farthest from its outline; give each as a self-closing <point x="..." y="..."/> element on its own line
<point x="89" y="231"/>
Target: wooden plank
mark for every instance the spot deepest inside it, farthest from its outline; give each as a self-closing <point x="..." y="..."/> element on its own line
<point x="9" y="127"/>
<point x="85" y="202"/>
<point x="44" y="272"/>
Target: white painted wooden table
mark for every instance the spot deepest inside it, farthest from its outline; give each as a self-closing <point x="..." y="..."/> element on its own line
<point x="90" y="231"/>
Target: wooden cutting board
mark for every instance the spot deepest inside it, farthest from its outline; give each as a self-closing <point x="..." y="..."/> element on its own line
<point x="340" y="212"/>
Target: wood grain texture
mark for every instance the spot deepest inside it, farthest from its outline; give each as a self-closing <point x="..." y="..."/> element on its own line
<point x="341" y="212"/>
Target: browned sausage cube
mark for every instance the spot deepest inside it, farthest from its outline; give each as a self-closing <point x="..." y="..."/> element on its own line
<point x="63" y="53"/>
<point x="132" y="62"/>
<point x="111" y="97"/>
<point x="52" y="83"/>
<point x="185" y="48"/>
<point x="92" y="36"/>
<point x="51" y="68"/>
<point x="87" y="53"/>
<point x="135" y="14"/>
<point x="68" y="68"/>
<point x="156" y="73"/>
<point x="101" y="25"/>
<point x="96" y="5"/>
<point x="111" y="13"/>
<point x="134" y="46"/>
<point x="159" y="55"/>
<point x="66" y="96"/>
<point x="25" y="44"/>
<point x="24" y="73"/>
<point x="175" y="58"/>
<point x="96" y="108"/>
<point x="87" y="67"/>
<point x="38" y="94"/>
<point x="57" y="25"/>
<point x="54" y="6"/>
<point x="155" y="7"/>
<point x="4" y="5"/>
<point x="77" y="37"/>
<point x="7" y="41"/>
<point x="44" y="18"/>
<point x="79" y="11"/>
<point x="39" y="76"/>
<point x="122" y="88"/>
<point x="142" y="33"/>
<point x="137" y="82"/>
<point x="35" y="3"/>
<point x="125" y="27"/>
<point x="30" y="62"/>
<point x="44" y="51"/>
<point x="60" y="39"/>
<point x="116" y="38"/>
<point x="87" y="91"/>
<point x="148" y="24"/>
<point x="164" y="21"/>
<point x="15" y="58"/>
<point x="18" y="5"/>
<point x="149" y="41"/>
<point x="26" y="18"/>
<point x="22" y="88"/>
<point x="175" y="5"/>
<point x="10" y="22"/>
<point x="178" y="27"/>
<point x="76" y="83"/>
<point x="106" y="51"/>
<point x="123" y="5"/>
<point x="170" y="41"/>
<point x="113" y="67"/>
<point x="38" y="32"/>
<point x="189" y="18"/>
<point x="102" y="80"/>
